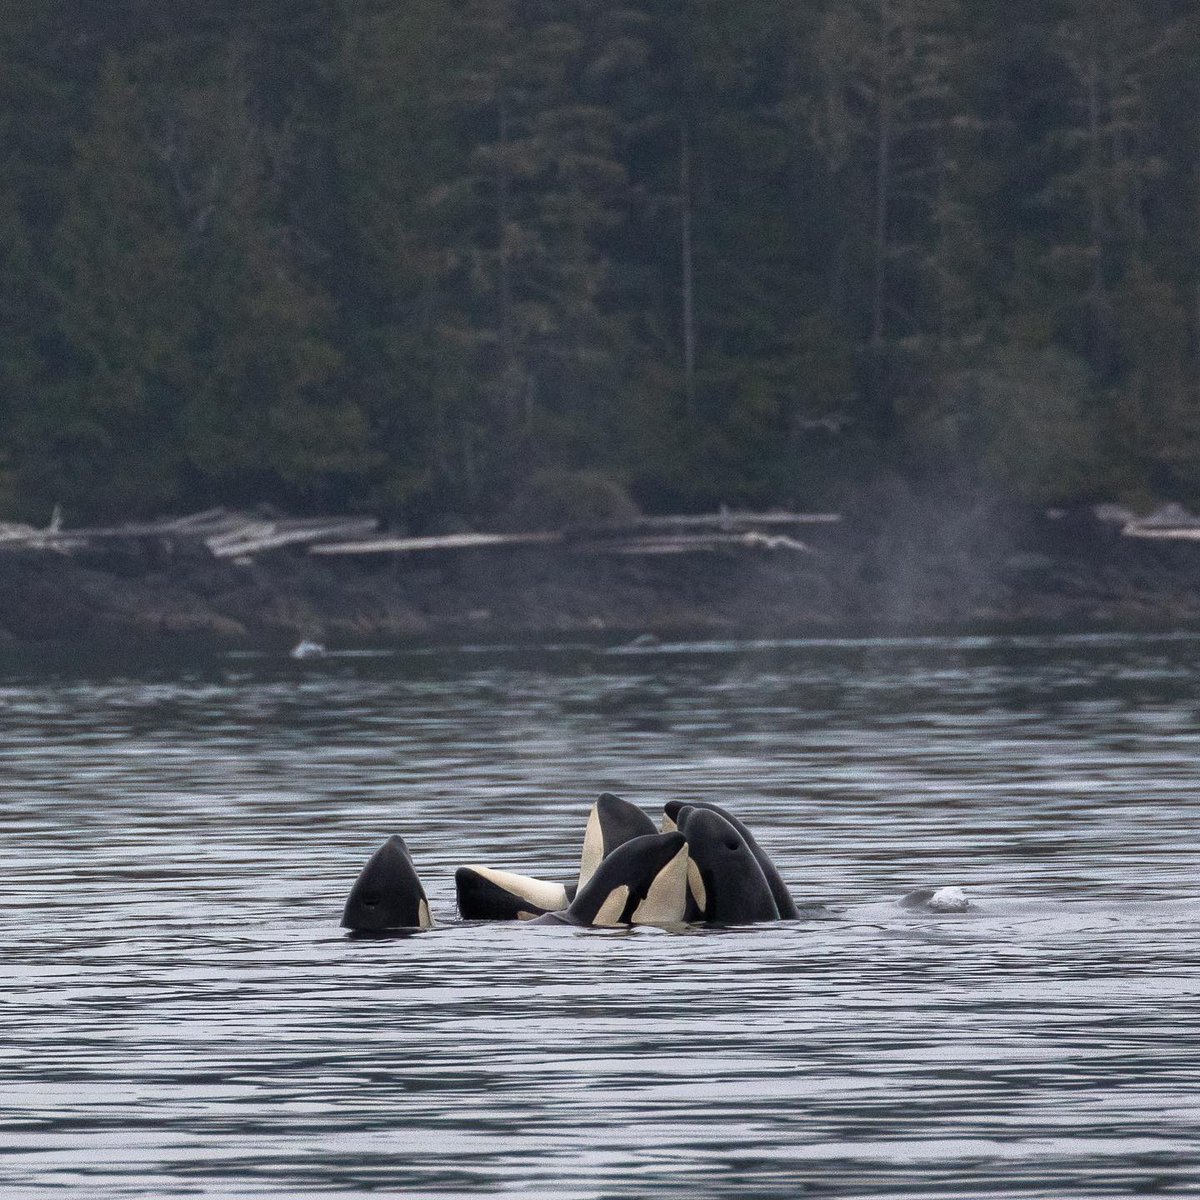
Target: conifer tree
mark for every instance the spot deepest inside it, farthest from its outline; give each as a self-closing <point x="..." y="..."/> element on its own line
<point x="108" y="419"/>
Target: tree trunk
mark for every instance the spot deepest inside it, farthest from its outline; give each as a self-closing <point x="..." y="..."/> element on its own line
<point x="689" y="304"/>
<point x="883" y="167"/>
<point x="1095" y="200"/>
<point x="503" y="218"/>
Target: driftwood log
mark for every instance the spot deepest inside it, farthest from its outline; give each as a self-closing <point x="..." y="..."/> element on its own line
<point x="228" y="534"/>
<point x="686" y="534"/>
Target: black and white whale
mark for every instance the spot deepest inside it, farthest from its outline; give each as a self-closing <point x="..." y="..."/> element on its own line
<point x="726" y="883"/>
<point x="493" y="894"/>
<point x="642" y="882"/>
<point x="784" y="904"/>
<point x="387" y="893"/>
<point x="611" y="823"/>
<point x="704" y="866"/>
<point x="490" y="894"/>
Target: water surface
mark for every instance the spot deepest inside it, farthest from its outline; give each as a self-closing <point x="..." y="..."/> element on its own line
<point x="183" y="1016"/>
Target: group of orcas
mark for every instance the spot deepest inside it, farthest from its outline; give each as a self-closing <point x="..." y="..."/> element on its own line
<point x="703" y="865"/>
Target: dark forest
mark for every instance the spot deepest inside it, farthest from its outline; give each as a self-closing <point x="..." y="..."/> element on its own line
<point x="492" y="258"/>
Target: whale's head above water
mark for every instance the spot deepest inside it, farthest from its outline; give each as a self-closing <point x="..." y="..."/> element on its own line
<point x="642" y="882"/>
<point x="387" y="893"/>
<point x="779" y="890"/>
<point x="727" y="884"/>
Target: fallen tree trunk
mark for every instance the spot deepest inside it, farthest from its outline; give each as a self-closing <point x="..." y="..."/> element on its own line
<point x="450" y="541"/>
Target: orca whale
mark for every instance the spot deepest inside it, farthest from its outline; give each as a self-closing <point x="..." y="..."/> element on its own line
<point x="488" y="894"/>
<point x="784" y="903"/>
<point x="387" y="893"/>
<point x="728" y="886"/>
<point x="642" y="882"/>
<point x="492" y="894"/>
<point x="611" y="823"/>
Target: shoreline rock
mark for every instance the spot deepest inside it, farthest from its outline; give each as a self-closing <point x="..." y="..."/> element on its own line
<point x="893" y="566"/>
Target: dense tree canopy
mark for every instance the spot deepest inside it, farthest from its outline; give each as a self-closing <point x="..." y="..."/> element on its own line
<point x="419" y="256"/>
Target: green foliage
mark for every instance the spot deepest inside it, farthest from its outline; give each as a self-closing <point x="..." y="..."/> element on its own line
<point x="490" y="256"/>
<point x="1026" y="419"/>
<point x="558" y="499"/>
<point x="102" y="432"/>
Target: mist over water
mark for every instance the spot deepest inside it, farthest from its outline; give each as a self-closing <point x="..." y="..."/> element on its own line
<point x="183" y="1016"/>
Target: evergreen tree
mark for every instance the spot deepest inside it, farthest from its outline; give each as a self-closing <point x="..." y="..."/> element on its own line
<point x="264" y="409"/>
<point x="1090" y="273"/>
<point x="103" y="434"/>
<point x="408" y="256"/>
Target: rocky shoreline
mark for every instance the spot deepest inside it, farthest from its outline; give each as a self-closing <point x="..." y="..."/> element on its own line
<point x="893" y="563"/>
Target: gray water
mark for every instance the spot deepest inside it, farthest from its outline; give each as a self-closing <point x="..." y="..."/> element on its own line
<point x="182" y="1016"/>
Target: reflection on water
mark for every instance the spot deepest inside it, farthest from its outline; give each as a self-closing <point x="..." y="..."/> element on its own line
<point x="182" y="1015"/>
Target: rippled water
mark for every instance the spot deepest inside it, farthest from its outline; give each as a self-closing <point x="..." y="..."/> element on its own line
<point x="183" y="1016"/>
